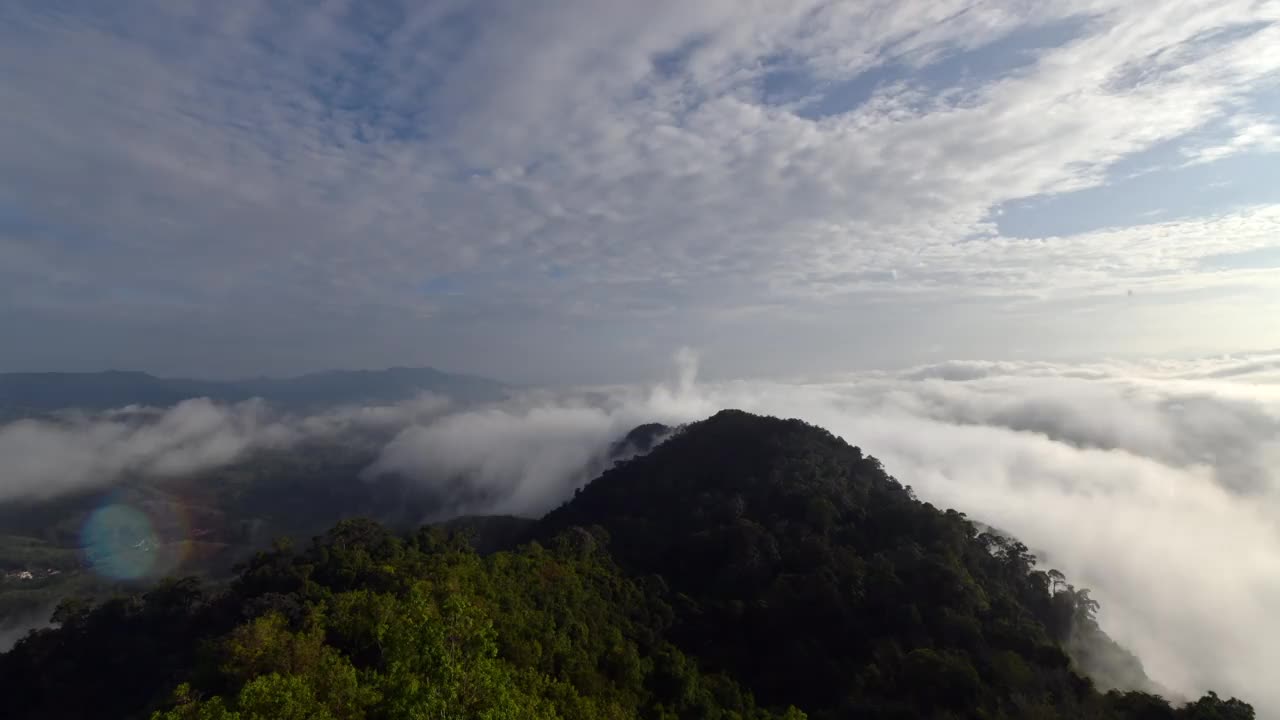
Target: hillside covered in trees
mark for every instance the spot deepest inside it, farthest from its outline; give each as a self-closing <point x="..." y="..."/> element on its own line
<point x="745" y="568"/>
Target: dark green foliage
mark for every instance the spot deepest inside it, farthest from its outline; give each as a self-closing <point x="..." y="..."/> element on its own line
<point x="743" y="569"/>
<point x="641" y="439"/>
<point x="810" y="575"/>
<point x="364" y="623"/>
<point x="490" y="533"/>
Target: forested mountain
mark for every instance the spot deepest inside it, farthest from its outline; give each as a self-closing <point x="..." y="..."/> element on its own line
<point x="40" y="392"/>
<point x="746" y="567"/>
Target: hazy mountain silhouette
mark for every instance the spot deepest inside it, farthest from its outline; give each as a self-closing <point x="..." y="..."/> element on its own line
<point x="39" y="392"/>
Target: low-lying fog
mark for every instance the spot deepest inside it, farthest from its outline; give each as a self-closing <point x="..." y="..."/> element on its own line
<point x="1154" y="484"/>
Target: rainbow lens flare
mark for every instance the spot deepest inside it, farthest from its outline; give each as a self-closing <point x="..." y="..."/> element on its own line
<point x="120" y="542"/>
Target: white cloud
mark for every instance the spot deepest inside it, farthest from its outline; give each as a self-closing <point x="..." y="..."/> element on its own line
<point x="200" y="162"/>
<point x="1248" y="133"/>
<point x="1152" y="482"/>
<point x="47" y="458"/>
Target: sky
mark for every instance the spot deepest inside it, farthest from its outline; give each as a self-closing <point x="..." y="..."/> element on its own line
<point x="566" y="191"/>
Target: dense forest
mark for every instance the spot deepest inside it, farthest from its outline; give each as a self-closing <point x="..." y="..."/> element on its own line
<point x="746" y="567"/>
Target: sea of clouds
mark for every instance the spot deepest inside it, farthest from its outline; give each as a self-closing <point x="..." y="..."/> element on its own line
<point x="1153" y="483"/>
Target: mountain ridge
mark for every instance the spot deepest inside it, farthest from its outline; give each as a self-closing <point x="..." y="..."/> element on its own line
<point x="745" y="567"/>
<point x="36" y="392"/>
<point x="761" y="522"/>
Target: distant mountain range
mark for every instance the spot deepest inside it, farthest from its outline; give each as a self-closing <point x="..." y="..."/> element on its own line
<point x="38" y="392"/>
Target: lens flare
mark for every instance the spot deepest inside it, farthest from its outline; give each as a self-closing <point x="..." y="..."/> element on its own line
<point x="120" y="542"/>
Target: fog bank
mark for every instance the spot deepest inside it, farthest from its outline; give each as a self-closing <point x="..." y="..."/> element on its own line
<point x="1154" y="484"/>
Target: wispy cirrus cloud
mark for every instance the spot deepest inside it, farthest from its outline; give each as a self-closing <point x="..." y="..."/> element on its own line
<point x="437" y="179"/>
<point x="1250" y="134"/>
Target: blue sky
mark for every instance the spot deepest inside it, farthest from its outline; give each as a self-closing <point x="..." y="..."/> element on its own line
<point x="570" y="190"/>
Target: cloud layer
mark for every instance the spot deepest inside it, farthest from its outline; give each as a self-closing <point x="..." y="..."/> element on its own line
<point x="46" y="458"/>
<point x="1154" y="483"/>
<point x="352" y="183"/>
